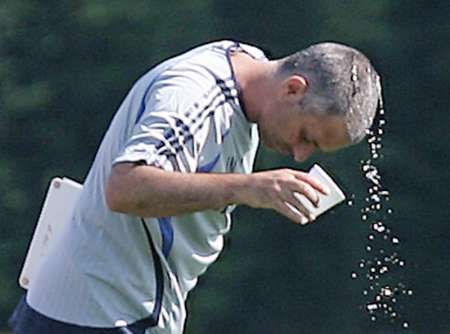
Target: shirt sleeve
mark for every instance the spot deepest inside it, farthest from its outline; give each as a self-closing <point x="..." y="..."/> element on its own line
<point x="169" y="134"/>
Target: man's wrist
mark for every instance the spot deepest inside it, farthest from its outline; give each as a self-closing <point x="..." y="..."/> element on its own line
<point x="238" y="187"/>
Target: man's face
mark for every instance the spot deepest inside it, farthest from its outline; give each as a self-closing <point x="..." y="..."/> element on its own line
<point x="299" y="135"/>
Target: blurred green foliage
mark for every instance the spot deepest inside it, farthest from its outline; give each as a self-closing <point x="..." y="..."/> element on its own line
<point x="66" y="65"/>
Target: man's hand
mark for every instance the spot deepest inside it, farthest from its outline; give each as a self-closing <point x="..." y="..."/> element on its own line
<point x="276" y="190"/>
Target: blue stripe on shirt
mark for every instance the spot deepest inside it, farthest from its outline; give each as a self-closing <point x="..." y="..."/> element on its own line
<point x="166" y="229"/>
<point x="209" y="166"/>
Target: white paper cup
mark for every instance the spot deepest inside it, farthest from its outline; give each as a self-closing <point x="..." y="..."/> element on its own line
<point x="326" y="202"/>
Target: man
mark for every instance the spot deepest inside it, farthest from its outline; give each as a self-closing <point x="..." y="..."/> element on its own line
<point x="174" y="162"/>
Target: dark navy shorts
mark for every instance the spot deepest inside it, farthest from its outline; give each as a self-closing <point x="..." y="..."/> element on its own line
<point x="25" y="320"/>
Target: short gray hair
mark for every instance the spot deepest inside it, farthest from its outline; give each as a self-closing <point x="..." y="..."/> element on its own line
<point x="341" y="81"/>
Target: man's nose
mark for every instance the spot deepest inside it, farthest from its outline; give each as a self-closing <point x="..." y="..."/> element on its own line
<point x="303" y="151"/>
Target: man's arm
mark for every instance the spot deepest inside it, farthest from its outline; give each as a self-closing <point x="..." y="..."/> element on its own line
<point x="152" y="192"/>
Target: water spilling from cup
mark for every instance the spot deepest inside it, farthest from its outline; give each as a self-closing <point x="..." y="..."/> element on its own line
<point x="384" y="292"/>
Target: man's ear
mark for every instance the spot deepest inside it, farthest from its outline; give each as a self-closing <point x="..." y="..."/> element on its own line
<point x="294" y="87"/>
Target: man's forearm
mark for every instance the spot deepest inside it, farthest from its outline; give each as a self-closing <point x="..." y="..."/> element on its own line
<point x="151" y="192"/>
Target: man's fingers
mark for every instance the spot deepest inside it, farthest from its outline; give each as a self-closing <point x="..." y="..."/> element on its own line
<point x="292" y="213"/>
<point x="296" y="201"/>
<point x="313" y="182"/>
<point x="307" y="191"/>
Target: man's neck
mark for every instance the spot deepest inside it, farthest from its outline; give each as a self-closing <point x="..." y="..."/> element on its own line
<point x="255" y="79"/>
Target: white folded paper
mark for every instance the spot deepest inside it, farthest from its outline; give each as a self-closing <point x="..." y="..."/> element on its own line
<point x="326" y="202"/>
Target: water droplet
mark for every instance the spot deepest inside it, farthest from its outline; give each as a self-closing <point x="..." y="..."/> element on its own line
<point x="379" y="227"/>
<point x="405" y="325"/>
<point x="383" y="193"/>
<point x="387" y="291"/>
<point x="384" y="269"/>
<point x="395" y="240"/>
<point x="372" y="307"/>
<point x="375" y="198"/>
<point x="354" y="275"/>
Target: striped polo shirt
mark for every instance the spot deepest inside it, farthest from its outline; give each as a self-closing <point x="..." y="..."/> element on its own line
<point x="109" y="268"/>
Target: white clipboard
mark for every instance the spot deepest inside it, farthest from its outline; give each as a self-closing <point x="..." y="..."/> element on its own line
<point x="56" y="212"/>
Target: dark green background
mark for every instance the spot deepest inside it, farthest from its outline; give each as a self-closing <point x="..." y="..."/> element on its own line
<point x="66" y="65"/>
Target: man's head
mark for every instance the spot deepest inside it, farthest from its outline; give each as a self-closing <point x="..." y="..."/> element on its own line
<point x="322" y="97"/>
